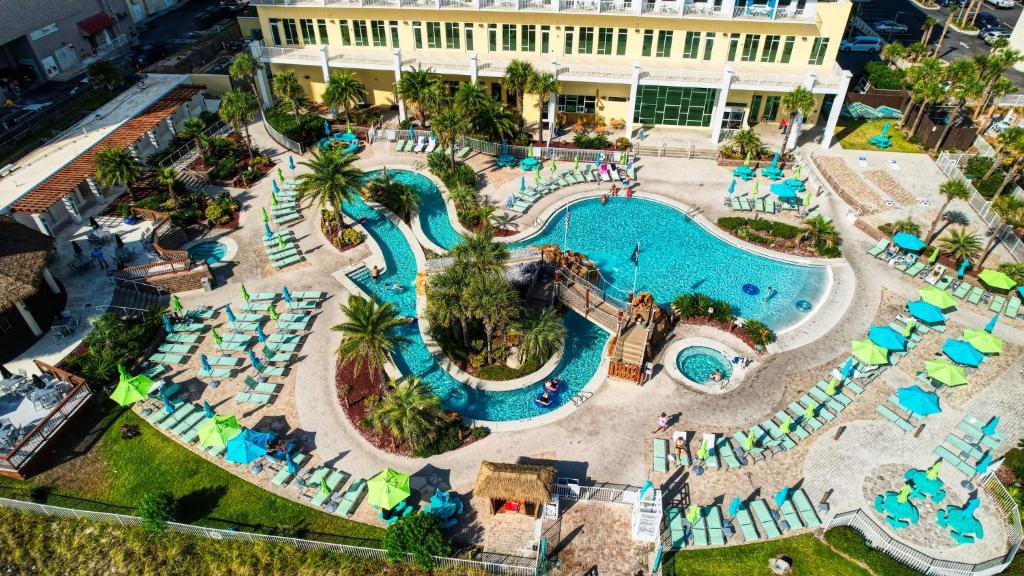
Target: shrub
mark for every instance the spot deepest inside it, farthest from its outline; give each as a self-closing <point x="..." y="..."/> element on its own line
<point x="216" y="215"/>
<point x="351" y="236"/>
<point x="420" y="535"/>
<point x="307" y="128"/>
<point x="405" y="124"/>
<point x="522" y="139"/>
<point x="112" y="341"/>
<point x="885" y="77"/>
<point x="447" y="438"/>
<point x="439" y="163"/>
<point x="463" y="175"/>
<point x="977" y="166"/>
<point x="588" y="141"/>
<point x="156" y="509"/>
<point x="623" y="143"/>
<point x="503" y="372"/>
<point x="479" y="432"/>
<point x="759" y="333"/>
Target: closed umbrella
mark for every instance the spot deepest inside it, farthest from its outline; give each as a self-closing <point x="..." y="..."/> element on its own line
<point x="887" y="338"/>
<point x="229" y="313"/>
<point x="280" y="242"/>
<point x="787" y="425"/>
<point x="775" y="160"/>
<point x="996" y="279"/>
<point x="992" y="323"/>
<point x="934" y="256"/>
<point x="217" y="339"/>
<point x="260" y="336"/>
<point x="809" y="410"/>
<point x="267" y="233"/>
<point x="286" y="294"/>
<point x="247" y="446"/>
<point x="216" y="431"/>
<point x="387" y="489"/>
<point x="937" y="297"/>
<point x="529" y="151"/>
<point x="748" y="442"/>
<point x="925" y="312"/>
<point x="982" y="466"/>
<point x="693" y="514"/>
<point x="757" y="184"/>
<point x="732" y="186"/>
<point x="273" y="312"/>
<point x="945" y="373"/>
<point x="280" y="175"/>
<point x="204" y="363"/>
<point x="553" y="166"/>
<point x="254" y="362"/>
<point x="245" y="293"/>
<point x="702" y="452"/>
<point x="264" y="215"/>
<point x="327" y="128"/>
<point x="962" y="352"/>
<point x="176" y="303"/>
<point x="746" y="161"/>
<point x="208" y="412"/>
<point x="276" y="189"/>
<point x="522" y="183"/>
<point x="807" y="200"/>
<point x="291" y="165"/>
<point x="909" y="328"/>
<point x="576" y="163"/>
<point x="781" y="496"/>
<point x="797" y="171"/>
<point x="833" y="385"/>
<point x="963" y="268"/>
<point x="167" y="325"/>
<point x="324" y="488"/>
<point x="904" y="494"/>
<point x="597" y="159"/>
<point x="847" y="370"/>
<point x="734" y="506"/>
<point x="273" y="200"/>
<point x="290" y="463"/>
<point x="921" y="402"/>
<point x="908" y="241"/>
<point x="989" y="429"/>
<point x="983" y="341"/>
<point x="933" y="470"/>
<point x="868" y="352"/>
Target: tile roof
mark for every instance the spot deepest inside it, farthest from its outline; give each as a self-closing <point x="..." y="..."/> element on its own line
<point x="63" y="181"/>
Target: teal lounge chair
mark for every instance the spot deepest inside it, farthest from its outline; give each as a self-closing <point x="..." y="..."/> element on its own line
<point x="975" y="296"/>
<point x="764" y="518"/>
<point x="278" y="264"/>
<point x="463" y="152"/>
<point x="260" y="387"/>
<point x="353" y="496"/>
<point x="878" y="248"/>
<point x="716" y="534"/>
<point x="961" y="290"/>
<point x="997" y="304"/>
<point x="334" y="479"/>
<point x="700" y="530"/>
<point x="806" y="510"/>
<point x="301" y="305"/>
<point x="747" y="529"/>
<point x="790" y="515"/>
<point x="178" y="338"/>
<point x="916" y="269"/>
<point x="660" y="455"/>
<point x="308" y="295"/>
<point x="167" y="358"/>
<point x="278" y="338"/>
<point x="270" y="355"/>
<point x="895" y="418"/>
<point x="295" y="317"/>
<point x="283" y="476"/>
<point x="252" y="398"/>
<point x="676" y="527"/>
<point x="175" y="348"/>
<point x="1013" y="308"/>
<point x="944" y="282"/>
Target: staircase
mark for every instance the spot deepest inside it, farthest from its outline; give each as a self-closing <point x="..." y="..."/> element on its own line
<point x="632" y="345"/>
<point x="192" y="180"/>
<point x="130" y="301"/>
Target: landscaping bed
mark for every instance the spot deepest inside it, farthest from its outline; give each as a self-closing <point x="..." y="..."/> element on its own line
<point x="349" y="237"/>
<point x="778" y="236"/>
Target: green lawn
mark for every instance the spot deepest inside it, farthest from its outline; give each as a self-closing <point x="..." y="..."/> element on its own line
<point x="810" y="557"/>
<point x="114" y="474"/>
<point x="851" y="543"/>
<point x="855" y="134"/>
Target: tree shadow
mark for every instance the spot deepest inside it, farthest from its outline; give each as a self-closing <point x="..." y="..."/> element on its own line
<point x="200" y="503"/>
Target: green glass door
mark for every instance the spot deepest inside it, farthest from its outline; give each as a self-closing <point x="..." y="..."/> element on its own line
<point x="673" y="106"/>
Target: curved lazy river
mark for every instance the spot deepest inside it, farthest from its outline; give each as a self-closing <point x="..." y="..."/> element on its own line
<point x="676" y="255"/>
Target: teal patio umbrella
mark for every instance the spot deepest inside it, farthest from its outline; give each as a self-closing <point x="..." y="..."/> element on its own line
<point x="918" y="401"/>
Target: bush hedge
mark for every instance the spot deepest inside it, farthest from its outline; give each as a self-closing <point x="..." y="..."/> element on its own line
<point x="885" y="77"/>
<point x="306" y="129"/>
<point x="114" y="340"/>
<point x="975" y="170"/>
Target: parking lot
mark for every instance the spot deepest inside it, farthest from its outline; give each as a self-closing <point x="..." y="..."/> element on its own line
<point x="906" y="12"/>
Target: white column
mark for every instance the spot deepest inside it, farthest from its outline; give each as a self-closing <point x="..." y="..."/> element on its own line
<point x="556" y="5"/>
<point x="50" y="281"/>
<point x="638" y="7"/>
<point x="151" y="134"/>
<point x="94" y="187"/>
<point x="552" y="104"/>
<point x="634" y="84"/>
<point x="27" y="317"/>
<point x="833" y="114"/>
<point x="256" y="47"/>
<point x="723" y="97"/>
<point x="794" y="132"/>
<point x="69" y="204"/>
<point x="728" y="8"/>
<point x="325" y="65"/>
<point x="40" y="221"/>
<point x="170" y="123"/>
<point x="398" y="76"/>
<point x="473" y="65"/>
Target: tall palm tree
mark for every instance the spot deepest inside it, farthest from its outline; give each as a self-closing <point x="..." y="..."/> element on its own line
<point x="446" y="302"/>
<point x="799" y="101"/>
<point x="517" y="77"/>
<point x="1009" y="143"/>
<point x="1015" y="155"/>
<point x="950" y="190"/>
<point x="492" y="301"/>
<point x="471" y="98"/>
<point x="463" y="196"/>
<point x="396" y="196"/>
<point x="478" y="253"/>
<point x="929" y="93"/>
<point x="245" y="66"/>
<point x="915" y="52"/>
<point x="167" y="176"/>
<point x="417" y="87"/>
<point x="333" y="179"/>
<point x="238" y="108"/>
<point x="1001" y="88"/>
<point x="287" y="88"/>
<point x="892" y="52"/>
<point x="926" y="69"/>
<point x="540" y="333"/>
<point x="992" y="67"/>
<point x="1009" y="209"/>
<point x="117" y="166"/>
<point x="410" y="412"/>
<point x="494" y="120"/>
<point x="927" y="26"/>
<point x="191" y="129"/>
<point x="368" y="337"/>
<point x="965" y="87"/>
<point x="942" y="35"/>
<point x="544" y="86"/>
<point x="747" y="141"/>
<point x="960" y="245"/>
<point x="817" y="231"/>
<point x="344" y="90"/>
<point x="450" y="124"/>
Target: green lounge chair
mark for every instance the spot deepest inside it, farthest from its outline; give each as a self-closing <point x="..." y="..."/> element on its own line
<point x="806" y="509"/>
<point x="334" y="480"/>
<point x="950" y="458"/>
<point x="725" y="450"/>
<point x="217" y="373"/>
<point x="699" y="529"/>
<point x="916" y="269"/>
<point x="790" y="515"/>
<point x="895" y="418"/>
<point x="716" y="535"/>
<point x="1013" y="308"/>
<point x="252" y="398"/>
<point x="997" y="304"/>
<point x="174" y="348"/>
<point x="260" y="387"/>
<point x="676" y="527"/>
<point x="399" y="145"/>
<point x="747" y="529"/>
<point x="877" y="249"/>
<point x="286" y="262"/>
<point x="353" y="496"/>
<point x="961" y="290"/>
<point x="463" y="152"/>
<point x="187" y="423"/>
<point x="283" y="476"/>
<point x="167" y="358"/>
<point x="944" y="282"/>
<point x="308" y="295"/>
<point x="764" y="517"/>
<point x="660" y="452"/>
<point x="975" y="296"/>
<point x="178" y="338"/>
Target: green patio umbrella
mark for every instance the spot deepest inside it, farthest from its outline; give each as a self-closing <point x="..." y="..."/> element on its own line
<point x="810" y="409"/>
<point x="693" y="514"/>
<point x="833" y="384"/>
<point x="904" y="494"/>
<point x="273" y="200"/>
<point x="983" y="341"/>
<point x="797" y="171"/>
<point x="746" y="161"/>
<point x="942" y="371"/>
<point x="176" y="303"/>
<point x="909" y="328"/>
<point x="757" y="184"/>
<point x="529" y="152"/>
<point x="216" y="431"/>
<point x="702" y="452"/>
<point x="536" y="174"/>
<point x="933" y="470"/>
<point x="996" y="279"/>
<point x="868" y="352"/>
<point x="748" y="442"/>
<point x="273" y="312"/>
<point x="324" y="488"/>
<point x="387" y="489"/>
<point x="280" y="242"/>
<point x="130" y="389"/>
<point x="576" y="163"/>
<point x="937" y="297"/>
<point x="552" y="166"/>
<point x="280" y="175"/>
<point x="807" y="200"/>
<point x="934" y="256"/>
<point x="266" y="218"/>
<point x="245" y="293"/>
<point x="217" y="339"/>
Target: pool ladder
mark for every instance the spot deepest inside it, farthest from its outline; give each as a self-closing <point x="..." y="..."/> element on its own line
<point x="580" y="398"/>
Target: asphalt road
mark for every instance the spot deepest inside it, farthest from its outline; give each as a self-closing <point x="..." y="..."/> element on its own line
<point x="956" y="45"/>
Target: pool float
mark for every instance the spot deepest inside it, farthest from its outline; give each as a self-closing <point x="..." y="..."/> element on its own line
<point x="803" y="305"/>
<point x="750" y="289"/>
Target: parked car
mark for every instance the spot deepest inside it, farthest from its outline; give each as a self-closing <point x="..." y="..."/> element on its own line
<point x="869" y="44"/>
<point x="890" y="27"/>
<point x="986" y="20"/>
<point x="949" y="3"/>
<point x="993" y="34"/>
<point x="148" y="53"/>
<point x="1002" y="3"/>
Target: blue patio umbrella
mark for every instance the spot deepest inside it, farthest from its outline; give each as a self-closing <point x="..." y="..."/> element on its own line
<point x="992" y="324"/>
<point x="1021" y="290"/>
<point x="919" y="401"/>
<point x="962" y="352"/>
<point x="204" y="362"/>
<point x="412" y="133"/>
<point x="267" y="232"/>
<point x="887" y="338"/>
<point x="167" y="325"/>
<point x="254" y="361"/>
<point x="207" y="410"/>
<point x="734" y="506"/>
<point x="732" y="186"/>
<point x="276" y="189"/>
<point x="847" y="370"/>
<point x="908" y="241"/>
<point x="247" y="446"/>
<point x="259" y="333"/>
<point x="229" y="313"/>
<point x="781" y="495"/>
<point x="783" y="191"/>
<point x="989" y="429"/>
<point x="925" y="312"/>
<point x="327" y="128"/>
<point x="982" y="466"/>
<point x="963" y="268"/>
<point x="885" y="128"/>
<point x="287" y="295"/>
<point x="775" y="160"/>
<point x="597" y="159"/>
<point x="291" y="163"/>
<point x="168" y="405"/>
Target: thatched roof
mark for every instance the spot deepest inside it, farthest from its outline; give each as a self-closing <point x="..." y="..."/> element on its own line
<point x="23" y="253"/>
<point x="515" y="482"/>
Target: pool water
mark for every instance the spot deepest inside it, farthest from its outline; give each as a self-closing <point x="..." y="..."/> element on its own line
<point x="209" y="252"/>
<point x="698" y="363"/>
<point x="433" y="213"/>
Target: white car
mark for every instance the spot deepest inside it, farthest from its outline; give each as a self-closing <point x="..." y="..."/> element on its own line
<point x="869" y="44"/>
<point x="1001" y="3"/>
<point x="890" y="27"/>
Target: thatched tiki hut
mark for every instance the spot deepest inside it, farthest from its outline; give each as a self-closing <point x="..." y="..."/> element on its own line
<point x="23" y="258"/>
<point x="517" y="488"/>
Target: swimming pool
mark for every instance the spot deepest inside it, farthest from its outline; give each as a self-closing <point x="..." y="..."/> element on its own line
<point x="433" y="213"/>
<point x="210" y="252"/>
<point x="698" y="363"/>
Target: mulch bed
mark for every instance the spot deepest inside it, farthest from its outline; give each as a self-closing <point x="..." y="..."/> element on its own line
<point x="777" y="245"/>
<point x="353" y="387"/>
<point x="232" y="224"/>
<point x="724" y="327"/>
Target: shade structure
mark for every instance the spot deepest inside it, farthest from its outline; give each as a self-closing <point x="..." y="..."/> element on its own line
<point x="942" y="371"/>
<point x="247" y="446"/>
<point x="797" y="185"/>
<point x="996" y="279"/>
<point x="887" y="338"/>
<point x="218" y="430"/>
<point x="868" y="352"/>
<point x="908" y="241"/>
<point x="983" y="341"/>
<point x="919" y="401"/>
<point x="925" y="312"/>
<point x="937" y="297"/>
<point x="130" y="389"/>
<point x="962" y="352"/>
<point x="388" y="488"/>
<point x="782" y="191"/>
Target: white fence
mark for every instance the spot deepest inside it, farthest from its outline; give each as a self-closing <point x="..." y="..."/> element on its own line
<point x="511" y="566"/>
<point x="280" y="138"/>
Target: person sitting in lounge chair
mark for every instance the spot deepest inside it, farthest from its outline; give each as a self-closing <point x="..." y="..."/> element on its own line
<point x="891" y="250"/>
<point x="680" y="448"/>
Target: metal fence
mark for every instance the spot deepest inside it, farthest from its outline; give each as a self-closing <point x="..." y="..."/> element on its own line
<point x="510" y="565"/>
<point x="280" y="138"/>
<point x="184" y="155"/>
<point x="604" y="492"/>
<point x="879" y="539"/>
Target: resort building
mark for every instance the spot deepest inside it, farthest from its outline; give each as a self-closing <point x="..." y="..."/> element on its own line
<point x="712" y="66"/>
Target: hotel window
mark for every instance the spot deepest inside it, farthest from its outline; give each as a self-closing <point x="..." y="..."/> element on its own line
<point x="787" y="49"/>
<point x="818" y="51"/>
<point x="274" y="32"/>
<point x="359" y="31"/>
<point x="567" y="47"/>
<point x="291" y="35"/>
<point x="321" y="27"/>
<point x="574" y="104"/>
<point x="529" y="40"/>
<point x="691" y="45"/>
<point x="393" y="25"/>
<point x="620" y="42"/>
<point x="604" y="40"/>
<point x="451" y="35"/>
<point x="545" y="39"/>
<point x="664" y="44"/>
<point x="586" y="40"/>
<point x="346" y="37"/>
<point x="734" y="44"/>
<point x="496" y="90"/>
<point x="417" y="34"/>
<point x="508" y="37"/>
<point x="648" y="43"/>
<point x="709" y="45"/>
<point x="492" y="37"/>
<point x="308" y="31"/>
<point x="750" y="44"/>
<point x="377" y="29"/>
<point x="468" y="29"/>
<point x="771" y="48"/>
<point x="433" y="34"/>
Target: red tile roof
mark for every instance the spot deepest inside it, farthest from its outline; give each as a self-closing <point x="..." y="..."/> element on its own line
<point x="63" y="181"/>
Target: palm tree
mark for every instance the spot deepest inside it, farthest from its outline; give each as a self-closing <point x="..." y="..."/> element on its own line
<point x="892" y="52"/>
<point x="491" y="300"/>
<point x="1009" y="209"/>
<point x="960" y="245"/>
<point x="915" y="52"/>
<point x="1009" y="144"/>
<point x="545" y="86"/>
<point x="105" y="73"/>
<point x="479" y="254"/>
<point x="410" y="411"/>
<point x="747" y="141"/>
<point x="494" y="120"/>
<point x="965" y="87"/>
<point x="471" y="98"/>
<point x="191" y="129"/>
<point x="799" y="101"/>
<point x="927" y="26"/>
<point x="926" y="69"/>
<point x="928" y="92"/>
<point x="117" y="166"/>
<point x="451" y="124"/>
<point x="950" y="190"/>
<point x="168" y="176"/>
<point x="463" y="196"/>
<point x="446" y="302"/>
<point x="540" y="333"/>
<point x="333" y="179"/>
<point x="817" y="231"/>
<point x="417" y="87"/>
<point x="344" y="90"/>
<point x="368" y="337"/>
<point x="238" y="108"/>
<point x="517" y="77"/>
<point x="1015" y="154"/>
<point x="1001" y="88"/>
<point x="245" y="66"/>
<point x="942" y="35"/>
<point x="398" y="197"/>
<point x="992" y="67"/>
<point x="287" y="88"/>
<point x="905" y="225"/>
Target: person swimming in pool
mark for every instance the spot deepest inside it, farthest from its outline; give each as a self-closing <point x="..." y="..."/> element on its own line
<point x="544" y="399"/>
<point x="716" y="376"/>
